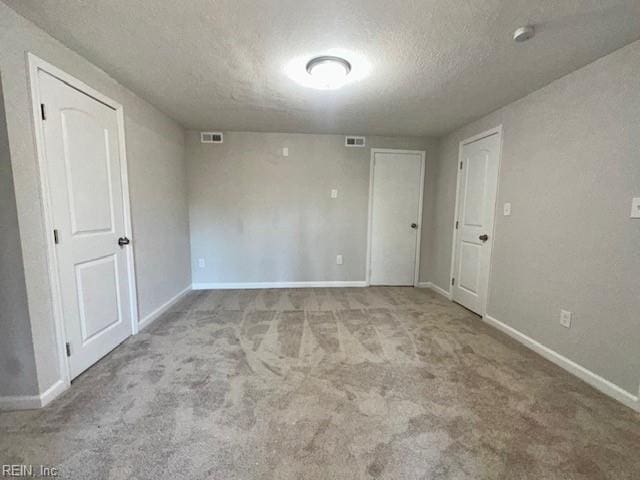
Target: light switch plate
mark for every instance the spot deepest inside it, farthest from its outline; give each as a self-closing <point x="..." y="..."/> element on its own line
<point x="285" y="152"/>
<point x="635" y="207"/>
<point x="507" y="209"/>
<point x="201" y="263"/>
<point x="334" y="193"/>
<point x="565" y="318"/>
<point x="339" y="260"/>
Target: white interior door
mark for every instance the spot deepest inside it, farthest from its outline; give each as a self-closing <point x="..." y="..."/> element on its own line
<point x="396" y="199"/>
<point x="476" y="210"/>
<point x="86" y="192"/>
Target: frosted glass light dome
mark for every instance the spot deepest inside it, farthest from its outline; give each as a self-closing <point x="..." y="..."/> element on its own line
<point x="329" y="72"/>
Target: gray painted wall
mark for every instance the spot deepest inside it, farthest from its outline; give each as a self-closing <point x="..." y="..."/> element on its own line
<point x="570" y="166"/>
<point x="16" y="350"/>
<point x="160" y="213"/>
<point x="155" y="152"/>
<point x="257" y="216"/>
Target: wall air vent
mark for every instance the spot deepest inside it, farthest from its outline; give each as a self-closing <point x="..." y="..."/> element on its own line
<point x="211" y="137"/>
<point x="354" y="141"/>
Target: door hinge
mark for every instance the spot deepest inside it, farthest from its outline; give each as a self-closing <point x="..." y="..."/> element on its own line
<point x="56" y="238"/>
<point x="460" y="165"/>
<point x="457" y="224"/>
<point x="43" y="112"/>
<point x="453" y="281"/>
<point x="68" y="348"/>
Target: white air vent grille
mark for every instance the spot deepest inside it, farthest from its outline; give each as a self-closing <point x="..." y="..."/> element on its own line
<point x="354" y="141"/>
<point x="211" y="137"/>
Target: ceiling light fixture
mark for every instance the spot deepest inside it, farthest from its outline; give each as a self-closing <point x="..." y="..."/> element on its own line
<point x="328" y="69"/>
<point x="329" y="72"/>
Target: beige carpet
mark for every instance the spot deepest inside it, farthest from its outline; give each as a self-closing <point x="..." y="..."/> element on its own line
<point x="393" y="383"/>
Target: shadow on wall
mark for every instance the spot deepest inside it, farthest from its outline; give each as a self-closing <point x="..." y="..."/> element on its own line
<point x="17" y="363"/>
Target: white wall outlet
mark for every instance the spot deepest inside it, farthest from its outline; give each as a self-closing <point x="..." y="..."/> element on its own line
<point x="565" y="318"/>
<point x="339" y="260"/>
<point x="507" y="209"/>
<point x="285" y="152"/>
<point x="334" y="193"/>
<point x="201" y="263"/>
<point x="635" y="207"/>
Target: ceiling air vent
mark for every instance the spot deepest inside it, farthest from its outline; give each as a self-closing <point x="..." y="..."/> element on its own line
<point x="354" y="141"/>
<point x="211" y="137"/>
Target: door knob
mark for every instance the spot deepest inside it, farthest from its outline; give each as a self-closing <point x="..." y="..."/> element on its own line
<point x="122" y="241"/>
<point x="414" y="225"/>
<point x="484" y="237"/>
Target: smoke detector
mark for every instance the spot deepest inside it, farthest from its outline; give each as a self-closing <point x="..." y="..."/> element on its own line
<point x="523" y="34"/>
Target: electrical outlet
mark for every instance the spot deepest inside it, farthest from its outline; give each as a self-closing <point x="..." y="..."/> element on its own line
<point x="339" y="260"/>
<point x="565" y="318"/>
<point x="334" y="193"/>
<point x="635" y="207"/>
<point x="285" y="152"/>
<point x="201" y="263"/>
<point x="507" y="209"/>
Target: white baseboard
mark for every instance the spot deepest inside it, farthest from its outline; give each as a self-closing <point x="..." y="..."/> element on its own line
<point x="53" y="392"/>
<point x="248" y="286"/>
<point x="29" y="402"/>
<point x="593" y="379"/>
<point x="435" y="288"/>
<point x="23" y="402"/>
<point x="146" y="321"/>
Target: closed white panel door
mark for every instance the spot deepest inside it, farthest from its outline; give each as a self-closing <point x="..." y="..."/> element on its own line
<point x="476" y="210"/>
<point x="395" y="210"/>
<point x="83" y="166"/>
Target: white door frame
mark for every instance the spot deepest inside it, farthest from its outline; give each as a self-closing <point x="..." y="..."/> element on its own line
<point x="497" y="130"/>
<point x="416" y="273"/>
<point x="36" y="64"/>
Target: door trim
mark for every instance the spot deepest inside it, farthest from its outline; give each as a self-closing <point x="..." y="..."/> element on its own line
<point x="494" y="131"/>
<point x="36" y="64"/>
<point x="416" y="273"/>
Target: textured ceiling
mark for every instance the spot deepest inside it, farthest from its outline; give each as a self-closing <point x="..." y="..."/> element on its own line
<point x="435" y="64"/>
